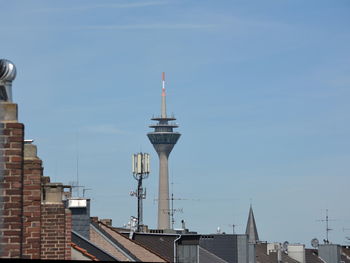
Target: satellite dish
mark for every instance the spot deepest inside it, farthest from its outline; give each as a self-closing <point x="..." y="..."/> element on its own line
<point x="314" y="242"/>
<point x="285" y="245"/>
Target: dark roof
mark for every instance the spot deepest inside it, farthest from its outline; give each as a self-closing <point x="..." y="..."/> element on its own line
<point x="311" y="256"/>
<point x="221" y="245"/>
<point x="206" y="257"/>
<point x="163" y="244"/>
<point x="91" y="248"/>
<point x="263" y="257"/>
<point x="159" y="243"/>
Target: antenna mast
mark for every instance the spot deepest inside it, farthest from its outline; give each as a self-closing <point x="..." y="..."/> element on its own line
<point x="140" y="171"/>
<point x="233" y="228"/>
<point x="163" y="110"/>
<point x="171" y="212"/>
<point x="174" y="210"/>
<point x="327" y="226"/>
<point x="78" y="164"/>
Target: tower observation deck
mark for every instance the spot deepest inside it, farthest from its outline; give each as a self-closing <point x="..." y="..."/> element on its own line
<point x="163" y="139"/>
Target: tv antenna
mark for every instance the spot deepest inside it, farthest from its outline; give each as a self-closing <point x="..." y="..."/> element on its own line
<point x="75" y="186"/>
<point x="86" y="189"/>
<point x="77" y="161"/>
<point x="173" y="210"/>
<point x="233" y="228"/>
<point x="326" y="241"/>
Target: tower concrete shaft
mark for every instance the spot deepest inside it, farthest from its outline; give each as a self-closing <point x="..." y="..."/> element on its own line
<point x="163" y="140"/>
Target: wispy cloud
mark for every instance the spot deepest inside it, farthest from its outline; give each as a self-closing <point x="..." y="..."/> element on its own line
<point x="104" y="129"/>
<point x="112" y="27"/>
<point x="102" y="6"/>
<point x="149" y="26"/>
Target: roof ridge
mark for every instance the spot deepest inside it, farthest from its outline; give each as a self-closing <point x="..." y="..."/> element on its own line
<point x="83" y="251"/>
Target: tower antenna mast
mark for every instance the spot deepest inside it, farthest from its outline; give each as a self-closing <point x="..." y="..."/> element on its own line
<point x="163" y="139"/>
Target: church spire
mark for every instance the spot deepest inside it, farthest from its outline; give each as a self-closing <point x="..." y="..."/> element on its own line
<point x="251" y="230"/>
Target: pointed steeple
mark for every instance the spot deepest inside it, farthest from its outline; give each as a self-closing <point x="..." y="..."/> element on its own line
<point x="251" y="230"/>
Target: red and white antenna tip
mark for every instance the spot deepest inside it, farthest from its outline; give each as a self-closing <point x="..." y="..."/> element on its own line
<point x="163" y="76"/>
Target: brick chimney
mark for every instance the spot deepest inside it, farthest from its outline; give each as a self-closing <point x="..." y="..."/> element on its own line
<point x="56" y="224"/>
<point x="11" y="181"/>
<point x="33" y="172"/>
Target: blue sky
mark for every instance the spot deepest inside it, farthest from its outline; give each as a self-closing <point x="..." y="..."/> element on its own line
<point x="260" y="89"/>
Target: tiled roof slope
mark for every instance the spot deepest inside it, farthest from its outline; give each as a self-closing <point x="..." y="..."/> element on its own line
<point x="263" y="257"/>
<point x="206" y="257"/>
<point x="344" y="258"/>
<point x="103" y="242"/>
<point x="311" y="255"/>
<point x="345" y="254"/>
<point x="91" y="248"/>
<point x="346" y="251"/>
<point x="135" y="250"/>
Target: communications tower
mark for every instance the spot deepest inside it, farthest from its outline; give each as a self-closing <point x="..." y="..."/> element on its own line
<point x="163" y="139"/>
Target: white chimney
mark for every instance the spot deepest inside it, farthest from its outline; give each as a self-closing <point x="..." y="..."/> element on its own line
<point x="297" y="252"/>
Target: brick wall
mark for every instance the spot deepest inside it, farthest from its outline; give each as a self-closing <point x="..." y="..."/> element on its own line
<point x="55" y="232"/>
<point x="11" y="151"/>
<point x="28" y="228"/>
<point x="32" y="206"/>
<point x="68" y="223"/>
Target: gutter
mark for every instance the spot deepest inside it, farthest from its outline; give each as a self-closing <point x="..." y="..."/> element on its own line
<point x="175" y="250"/>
